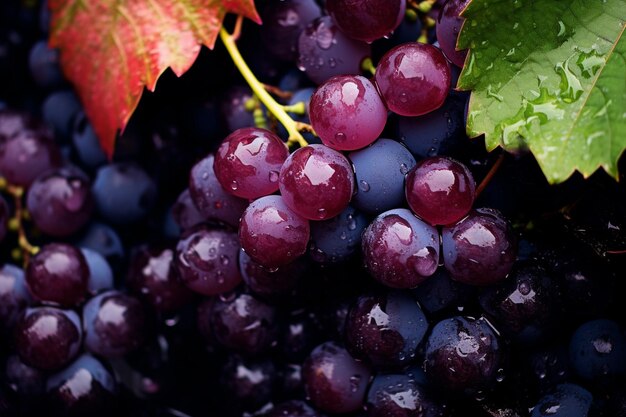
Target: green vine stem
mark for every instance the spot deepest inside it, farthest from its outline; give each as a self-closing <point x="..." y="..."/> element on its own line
<point x="259" y="90"/>
<point x="16" y="223"/>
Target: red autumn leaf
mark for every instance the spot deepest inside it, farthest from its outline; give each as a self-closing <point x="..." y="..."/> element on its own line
<point x="111" y="49"/>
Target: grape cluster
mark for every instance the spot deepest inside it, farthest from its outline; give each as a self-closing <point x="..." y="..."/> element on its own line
<point x="212" y="267"/>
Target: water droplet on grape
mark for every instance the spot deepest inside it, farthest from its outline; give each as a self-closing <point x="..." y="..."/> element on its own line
<point x="364" y="186"/>
<point x="234" y="185"/>
<point x="273" y="176"/>
<point x="340" y="136"/>
<point x="321" y="213"/>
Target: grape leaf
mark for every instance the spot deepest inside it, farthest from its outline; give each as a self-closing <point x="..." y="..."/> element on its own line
<point x="549" y="76"/>
<point x="112" y="49"/>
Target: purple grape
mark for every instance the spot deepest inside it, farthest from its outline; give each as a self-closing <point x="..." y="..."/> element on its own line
<point x="25" y="380"/>
<point x="206" y="260"/>
<point x="47" y="338"/>
<point x="448" y="27"/>
<point x="27" y="154"/>
<point x="100" y="273"/>
<point x="440" y="190"/>
<point x="366" y="20"/>
<point x="337" y="239"/>
<point x="324" y="51"/>
<point x="60" y="201"/>
<point x="272" y="234"/>
<point x="400" y="250"/>
<point x="380" y="170"/>
<point x="300" y="334"/>
<point x="13" y="123"/>
<point x="480" y="249"/>
<point x="347" y="113"/>
<point x="248" y="383"/>
<point x="316" y="182"/>
<point x="244" y="324"/>
<point x="58" y="274"/>
<point x="14" y="295"/>
<point x="272" y="285"/>
<point x="282" y="23"/>
<point x="234" y="110"/>
<point x="598" y="350"/>
<point x="84" y="388"/>
<point x="463" y="354"/>
<point x="400" y="395"/>
<point x="211" y="199"/>
<point x="566" y="400"/>
<point x="154" y="277"/>
<point x="5" y="214"/>
<point x="334" y="381"/>
<point x="114" y="324"/>
<point x="294" y="408"/>
<point x="248" y="161"/>
<point x="413" y="78"/>
<point x="185" y="213"/>
<point x="385" y="329"/>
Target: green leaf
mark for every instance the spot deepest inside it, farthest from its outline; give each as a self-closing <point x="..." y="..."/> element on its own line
<point x="550" y="76"/>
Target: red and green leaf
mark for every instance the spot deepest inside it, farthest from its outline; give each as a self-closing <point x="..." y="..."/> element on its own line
<point x="112" y="49"/>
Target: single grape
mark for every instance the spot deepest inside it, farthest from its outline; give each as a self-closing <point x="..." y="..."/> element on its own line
<point x="211" y="199"/>
<point x="400" y="395"/>
<point x="234" y="109"/>
<point x="347" y="113"/>
<point x="480" y="249"/>
<point x="440" y="182"/>
<point x="272" y="284"/>
<point x="334" y="381"/>
<point x="27" y="154"/>
<point x="14" y="295"/>
<point x="114" y="324"/>
<point x="385" y="329"/>
<point x="316" y="182"/>
<point x="84" y="388"/>
<point x="154" y="277"/>
<point x="58" y="274"/>
<point x="102" y="239"/>
<point x="366" y="20"/>
<point x="324" y="51"/>
<point x="413" y="78"/>
<point x="598" y="349"/>
<point x="44" y="66"/>
<point x="441" y="293"/>
<point x="300" y="334"/>
<point x="60" y="201"/>
<point x="248" y="383"/>
<point x="567" y="400"/>
<point x="448" y="27"/>
<point x="380" y="170"/>
<point x="13" y="123"/>
<point x="59" y="111"/>
<point x="86" y="143"/>
<point x="124" y="193"/>
<point x="185" y="213"/>
<point x="47" y="338"/>
<point x="100" y="272"/>
<point x="400" y="250"/>
<point x="25" y="380"/>
<point x="463" y="354"/>
<point x="337" y="239"/>
<point x="283" y="21"/>
<point x="206" y="260"/>
<point x="244" y="324"/>
<point x="248" y="161"/>
<point x="272" y="234"/>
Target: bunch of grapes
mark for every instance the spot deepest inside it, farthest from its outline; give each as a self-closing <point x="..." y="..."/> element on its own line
<point x="384" y="266"/>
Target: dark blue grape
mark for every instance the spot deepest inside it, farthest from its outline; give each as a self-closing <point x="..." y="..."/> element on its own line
<point x="568" y="400"/>
<point x="385" y="329"/>
<point x="440" y="293"/>
<point x="185" y="213"/>
<point x="59" y="111"/>
<point x="334" y="381"/>
<point x="14" y="295"/>
<point x="100" y="273"/>
<point x="25" y="380"/>
<point x="463" y="354"/>
<point x="124" y="193"/>
<point x="337" y="239"/>
<point x="114" y="324"/>
<point x="43" y="62"/>
<point x="380" y="171"/>
<point x="86" y="143"/>
<point x="102" y="239"/>
<point x="84" y="388"/>
<point x="233" y="108"/>
<point x="598" y="349"/>
<point x="401" y="396"/>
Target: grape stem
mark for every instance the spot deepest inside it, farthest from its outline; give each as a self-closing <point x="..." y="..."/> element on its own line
<point x="259" y="90"/>
<point x="492" y="172"/>
<point x="17" y="222"/>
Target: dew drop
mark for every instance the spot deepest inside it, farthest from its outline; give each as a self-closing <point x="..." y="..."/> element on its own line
<point x="340" y="136"/>
<point x="234" y="185"/>
<point x="273" y="176"/>
<point x="364" y="186"/>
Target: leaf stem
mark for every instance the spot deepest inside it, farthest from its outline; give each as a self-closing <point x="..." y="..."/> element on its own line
<point x="368" y="66"/>
<point x="490" y="174"/>
<point x="259" y="89"/>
